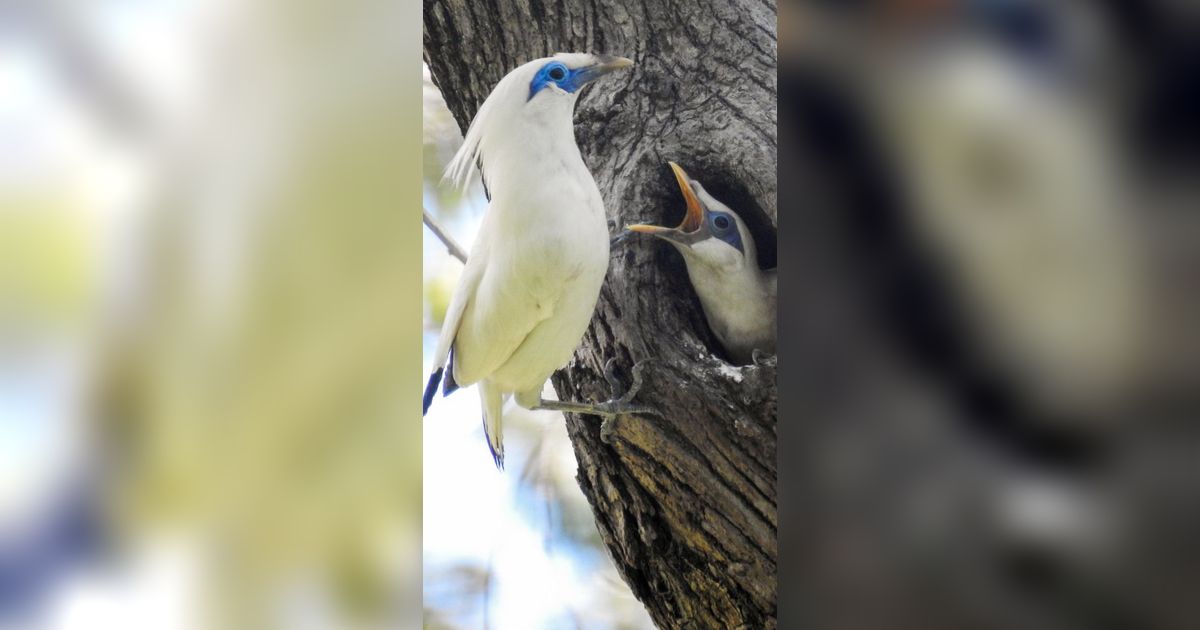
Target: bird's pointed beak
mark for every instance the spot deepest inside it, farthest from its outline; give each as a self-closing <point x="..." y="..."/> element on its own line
<point x="646" y="228"/>
<point x="695" y="210"/>
<point x="604" y="65"/>
<point x="610" y="63"/>
<point x="692" y="221"/>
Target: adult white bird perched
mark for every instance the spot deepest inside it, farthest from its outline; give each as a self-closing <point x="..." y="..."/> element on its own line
<point x="737" y="296"/>
<point x="534" y="273"/>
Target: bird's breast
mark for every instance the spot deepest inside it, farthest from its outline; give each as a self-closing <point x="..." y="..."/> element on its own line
<point x="553" y="238"/>
<point x="739" y="308"/>
<point x="550" y="218"/>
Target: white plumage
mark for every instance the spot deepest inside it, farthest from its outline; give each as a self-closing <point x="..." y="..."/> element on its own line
<point x="534" y="272"/>
<point x="737" y="296"/>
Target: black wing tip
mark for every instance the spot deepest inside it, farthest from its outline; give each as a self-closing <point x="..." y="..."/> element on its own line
<point x="431" y="389"/>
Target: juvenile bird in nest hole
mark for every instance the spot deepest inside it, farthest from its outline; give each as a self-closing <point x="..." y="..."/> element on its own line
<point x="737" y="296"/>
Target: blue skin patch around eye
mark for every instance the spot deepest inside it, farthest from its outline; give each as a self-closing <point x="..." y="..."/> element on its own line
<point x="724" y="227"/>
<point x="559" y="74"/>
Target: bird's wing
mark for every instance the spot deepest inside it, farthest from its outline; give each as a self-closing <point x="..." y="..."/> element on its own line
<point x="467" y="284"/>
<point x="507" y="305"/>
<point x="464" y="293"/>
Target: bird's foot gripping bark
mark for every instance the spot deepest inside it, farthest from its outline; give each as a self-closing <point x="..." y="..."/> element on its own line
<point x="619" y="405"/>
<point x="758" y="357"/>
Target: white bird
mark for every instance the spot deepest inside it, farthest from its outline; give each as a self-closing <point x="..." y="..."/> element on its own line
<point x="534" y="273"/>
<point x="737" y="296"/>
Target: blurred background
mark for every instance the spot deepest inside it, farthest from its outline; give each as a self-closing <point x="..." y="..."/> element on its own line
<point x="992" y="287"/>
<point x="518" y="548"/>
<point x="208" y="258"/>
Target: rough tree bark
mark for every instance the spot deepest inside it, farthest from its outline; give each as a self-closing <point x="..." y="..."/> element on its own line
<point x="686" y="503"/>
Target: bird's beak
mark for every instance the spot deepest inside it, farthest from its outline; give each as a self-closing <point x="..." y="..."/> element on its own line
<point x="695" y="210"/>
<point x="692" y="221"/>
<point x="605" y="65"/>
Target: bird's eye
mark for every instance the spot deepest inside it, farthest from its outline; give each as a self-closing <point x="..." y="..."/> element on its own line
<point x="721" y="222"/>
<point x="558" y="73"/>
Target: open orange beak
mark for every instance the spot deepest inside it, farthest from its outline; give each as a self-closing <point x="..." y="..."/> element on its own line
<point x="692" y="221"/>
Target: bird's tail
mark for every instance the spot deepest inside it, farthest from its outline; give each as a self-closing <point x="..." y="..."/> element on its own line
<point x="492" y="400"/>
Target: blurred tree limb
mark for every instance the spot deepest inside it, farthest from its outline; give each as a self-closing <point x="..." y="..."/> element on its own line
<point x="438" y="230"/>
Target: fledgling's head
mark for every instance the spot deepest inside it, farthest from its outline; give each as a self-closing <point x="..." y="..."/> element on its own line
<point x="540" y="92"/>
<point x="711" y="233"/>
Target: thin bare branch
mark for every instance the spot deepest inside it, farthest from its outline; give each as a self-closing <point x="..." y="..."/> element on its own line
<point x="452" y="246"/>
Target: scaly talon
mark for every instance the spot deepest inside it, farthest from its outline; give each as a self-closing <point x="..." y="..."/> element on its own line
<point x="618" y="405"/>
<point x="610" y="375"/>
<point x="607" y="428"/>
<point x="760" y="358"/>
<point x="635" y="386"/>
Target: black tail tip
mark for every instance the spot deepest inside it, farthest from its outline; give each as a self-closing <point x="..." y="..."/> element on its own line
<point x="497" y="454"/>
<point x="431" y="389"/>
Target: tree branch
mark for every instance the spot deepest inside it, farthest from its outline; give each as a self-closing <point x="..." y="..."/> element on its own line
<point x="452" y="246"/>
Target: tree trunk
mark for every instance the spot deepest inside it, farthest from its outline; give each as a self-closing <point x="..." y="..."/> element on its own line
<point x="685" y="503"/>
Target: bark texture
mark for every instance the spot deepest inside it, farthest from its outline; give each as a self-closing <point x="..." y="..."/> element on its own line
<point x="685" y="503"/>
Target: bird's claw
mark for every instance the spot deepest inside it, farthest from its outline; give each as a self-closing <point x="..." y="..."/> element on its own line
<point x="760" y="358"/>
<point x="607" y="427"/>
<point x="610" y="375"/>
<point x="622" y="403"/>
<point x="637" y="373"/>
<point x="619" y="405"/>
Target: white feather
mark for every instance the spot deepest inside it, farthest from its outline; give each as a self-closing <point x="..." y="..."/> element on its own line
<point x="535" y="269"/>
<point x="498" y="110"/>
<point x="738" y="298"/>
